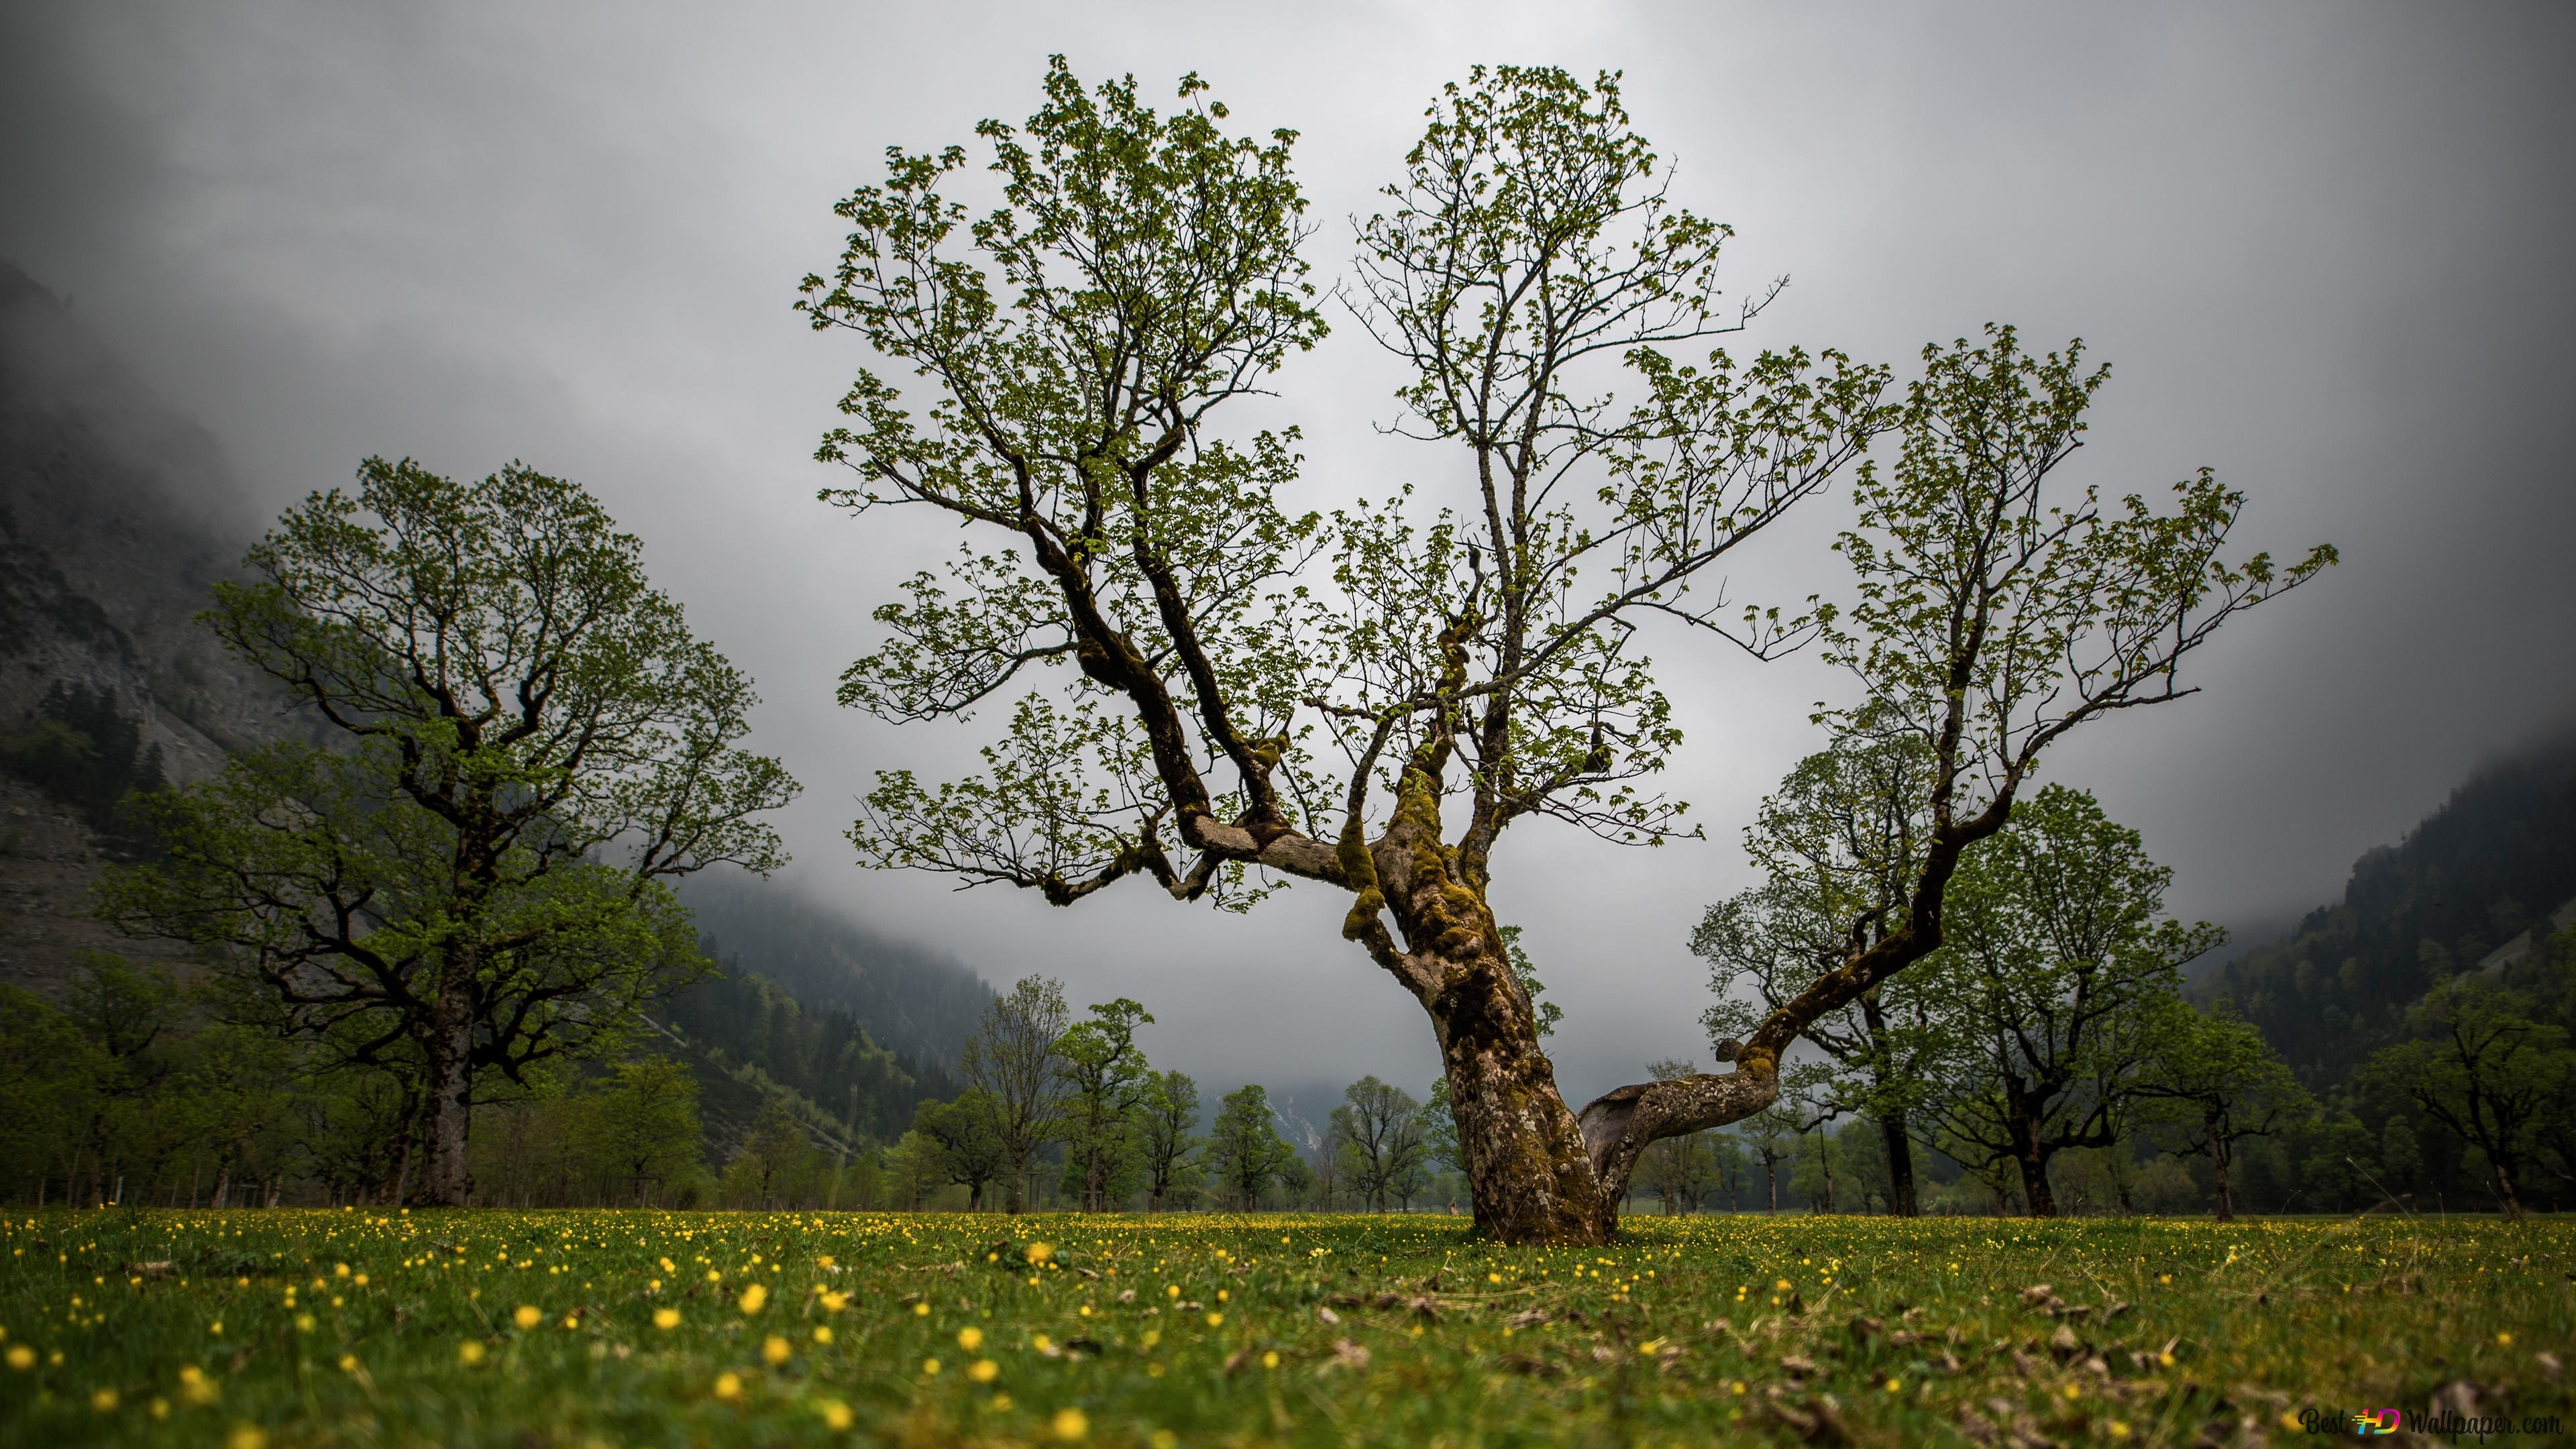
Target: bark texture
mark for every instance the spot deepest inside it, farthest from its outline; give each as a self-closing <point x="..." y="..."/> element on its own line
<point x="446" y="1180"/>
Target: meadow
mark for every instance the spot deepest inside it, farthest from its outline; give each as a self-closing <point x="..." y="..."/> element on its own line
<point x="264" y="1329"/>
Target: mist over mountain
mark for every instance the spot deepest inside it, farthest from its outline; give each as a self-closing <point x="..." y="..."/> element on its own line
<point x="116" y="515"/>
<point x="914" y="1000"/>
<point x="2494" y="861"/>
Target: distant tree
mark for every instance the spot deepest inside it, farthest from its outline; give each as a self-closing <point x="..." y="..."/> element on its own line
<point x="1440" y="1130"/>
<point x="1297" y="1180"/>
<point x="2481" y="1067"/>
<point x="1167" y="1116"/>
<point x="1840" y="844"/>
<point x="1245" y="1152"/>
<point x="776" y="1160"/>
<point x="2055" y="973"/>
<point x="1728" y="1165"/>
<point x="912" y="1166"/>
<point x="1377" y="1137"/>
<point x="49" y="1074"/>
<point x="1015" y="1059"/>
<point x="1811" y="1091"/>
<point x="2213" y="1081"/>
<point x="127" y="1013"/>
<point x="1106" y="1080"/>
<point x="532" y="744"/>
<point x="1368" y="702"/>
<point x="1678" y="1169"/>
<point x="966" y="1141"/>
<point x="647" y="1123"/>
<point x="1771" y="1137"/>
<point x="238" y="1083"/>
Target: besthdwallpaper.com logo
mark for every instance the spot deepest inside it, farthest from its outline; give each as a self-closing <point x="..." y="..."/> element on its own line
<point x="2442" y="1423"/>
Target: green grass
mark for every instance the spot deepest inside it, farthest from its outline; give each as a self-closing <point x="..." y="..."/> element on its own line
<point x="371" y="1328"/>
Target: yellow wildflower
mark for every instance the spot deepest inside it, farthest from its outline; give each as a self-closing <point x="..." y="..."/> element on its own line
<point x="776" y="1350"/>
<point x="984" y="1371"/>
<point x="755" y="1298"/>
<point x="728" y="1386"/>
<point x="528" y="1316"/>
<point x="836" y="1415"/>
<point x="469" y="1352"/>
<point x="1071" y="1424"/>
<point x="666" y="1318"/>
<point x="970" y="1339"/>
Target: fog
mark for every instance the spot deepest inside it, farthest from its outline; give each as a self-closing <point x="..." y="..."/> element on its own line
<point x="2322" y="245"/>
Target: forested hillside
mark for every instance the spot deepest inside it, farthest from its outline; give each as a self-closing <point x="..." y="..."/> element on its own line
<point x="2497" y="858"/>
<point x="914" y="1001"/>
<point x="860" y="1028"/>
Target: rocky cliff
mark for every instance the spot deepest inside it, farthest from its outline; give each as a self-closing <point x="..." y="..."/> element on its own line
<point x="116" y="514"/>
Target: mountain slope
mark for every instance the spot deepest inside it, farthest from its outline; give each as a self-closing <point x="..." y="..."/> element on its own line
<point x="2497" y="857"/>
<point x="116" y="515"/>
<point x="915" y="1001"/>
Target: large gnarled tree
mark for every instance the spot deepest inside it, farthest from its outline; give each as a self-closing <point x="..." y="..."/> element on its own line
<point x="1368" y="699"/>
<point x="530" y="744"/>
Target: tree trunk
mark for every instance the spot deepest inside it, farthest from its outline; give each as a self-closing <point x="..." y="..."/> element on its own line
<point x="2032" y="1158"/>
<point x="445" y="1179"/>
<point x="1537" y="1172"/>
<point x="1531" y="1177"/>
<point x="1901" y="1199"/>
<point x="2504" y="1188"/>
<point x="2223" y="1199"/>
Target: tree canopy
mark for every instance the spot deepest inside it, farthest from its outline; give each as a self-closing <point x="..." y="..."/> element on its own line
<point x="528" y="743"/>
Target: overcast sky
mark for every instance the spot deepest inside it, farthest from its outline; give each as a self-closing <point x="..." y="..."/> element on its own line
<point x="2325" y="246"/>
